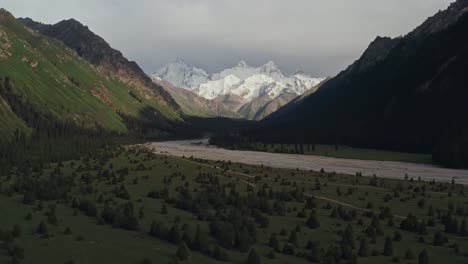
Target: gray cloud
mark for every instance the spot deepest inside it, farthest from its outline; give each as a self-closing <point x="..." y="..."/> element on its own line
<point x="319" y="36"/>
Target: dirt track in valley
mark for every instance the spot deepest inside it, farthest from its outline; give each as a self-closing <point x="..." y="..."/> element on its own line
<point x="387" y="169"/>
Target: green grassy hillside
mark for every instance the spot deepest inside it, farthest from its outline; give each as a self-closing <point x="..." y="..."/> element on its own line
<point x="55" y="81"/>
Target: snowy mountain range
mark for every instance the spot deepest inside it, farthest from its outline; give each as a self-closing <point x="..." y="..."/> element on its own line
<point x="246" y="83"/>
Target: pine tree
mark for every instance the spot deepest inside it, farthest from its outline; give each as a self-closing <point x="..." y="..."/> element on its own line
<point x="451" y="225"/>
<point x="182" y="252"/>
<point x="126" y="219"/>
<point x="273" y="242"/>
<point x="243" y="240"/>
<point x="154" y="230"/>
<point x="364" y="248"/>
<point x="353" y="258"/>
<point x="16" y="232"/>
<point x="463" y="228"/>
<point x="220" y="254"/>
<point x="397" y="236"/>
<point x="187" y="238"/>
<point x="314" y="254"/>
<point x="409" y="254"/>
<point x="174" y="235"/>
<point x="146" y="261"/>
<point x="200" y="241"/>
<point x="42" y="229"/>
<point x="423" y="257"/>
<point x="388" y="247"/>
<point x="253" y="258"/>
<point x="312" y="221"/>
<point x="293" y="237"/>
<point x="164" y="209"/>
<point x="439" y="239"/>
<point x="348" y="237"/>
<point x="271" y="254"/>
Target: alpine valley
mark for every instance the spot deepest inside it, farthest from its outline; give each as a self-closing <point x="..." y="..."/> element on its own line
<point x="242" y="91"/>
<point x="101" y="162"/>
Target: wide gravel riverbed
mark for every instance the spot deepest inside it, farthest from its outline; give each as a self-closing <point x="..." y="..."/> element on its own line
<point x="387" y="169"/>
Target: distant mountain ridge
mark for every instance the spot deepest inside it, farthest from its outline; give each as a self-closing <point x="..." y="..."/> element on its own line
<point x="253" y="86"/>
<point x="99" y="53"/>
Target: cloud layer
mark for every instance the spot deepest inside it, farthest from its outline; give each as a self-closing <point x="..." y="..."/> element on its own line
<point x="321" y="37"/>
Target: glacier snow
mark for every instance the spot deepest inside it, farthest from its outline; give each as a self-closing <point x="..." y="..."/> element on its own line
<point x="242" y="80"/>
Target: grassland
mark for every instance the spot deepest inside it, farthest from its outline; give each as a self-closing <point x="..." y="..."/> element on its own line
<point x="360" y="202"/>
<point x="344" y="152"/>
<point x="54" y="80"/>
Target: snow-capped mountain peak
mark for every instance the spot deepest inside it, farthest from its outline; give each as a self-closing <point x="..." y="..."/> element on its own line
<point x="272" y="70"/>
<point x="270" y="65"/>
<point x="242" y="80"/>
<point x="299" y="71"/>
<point x="181" y="62"/>
<point x="182" y="75"/>
<point x="242" y="64"/>
<point x="214" y="88"/>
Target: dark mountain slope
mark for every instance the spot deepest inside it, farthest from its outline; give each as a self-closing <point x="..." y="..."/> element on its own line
<point x="264" y="105"/>
<point x="107" y="60"/>
<point x="403" y="94"/>
<point x="10" y="123"/>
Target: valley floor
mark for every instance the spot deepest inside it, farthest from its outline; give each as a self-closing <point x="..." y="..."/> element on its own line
<point x="387" y="169"/>
<point x="130" y="205"/>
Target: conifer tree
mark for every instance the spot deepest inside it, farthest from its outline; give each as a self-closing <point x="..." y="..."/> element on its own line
<point x="182" y="252"/>
<point x="409" y="254"/>
<point x="253" y="258"/>
<point x="463" y="228"/>
<point x="312" y="221"/>
<point x="388" y="247"/>
<point x="423" y="257"/>
<point x="42" y="229"/>
<point x="364" y="248"/>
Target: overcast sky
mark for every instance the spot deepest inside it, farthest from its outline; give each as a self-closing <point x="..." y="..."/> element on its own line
<point x="320" y="37"/>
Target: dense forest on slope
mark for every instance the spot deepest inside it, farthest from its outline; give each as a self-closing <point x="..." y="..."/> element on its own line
<point x="405" y="94"/>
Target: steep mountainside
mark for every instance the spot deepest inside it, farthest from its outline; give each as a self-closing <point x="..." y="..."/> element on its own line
<point x="254" y="85"/>
<point x="45" y="84"/>
<point x="231" y="101"/>
<point x="108" y="61"/>
<point x="261" y="107"/>
<point x="408" y="94"/>
<point x="195" y="105"/>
